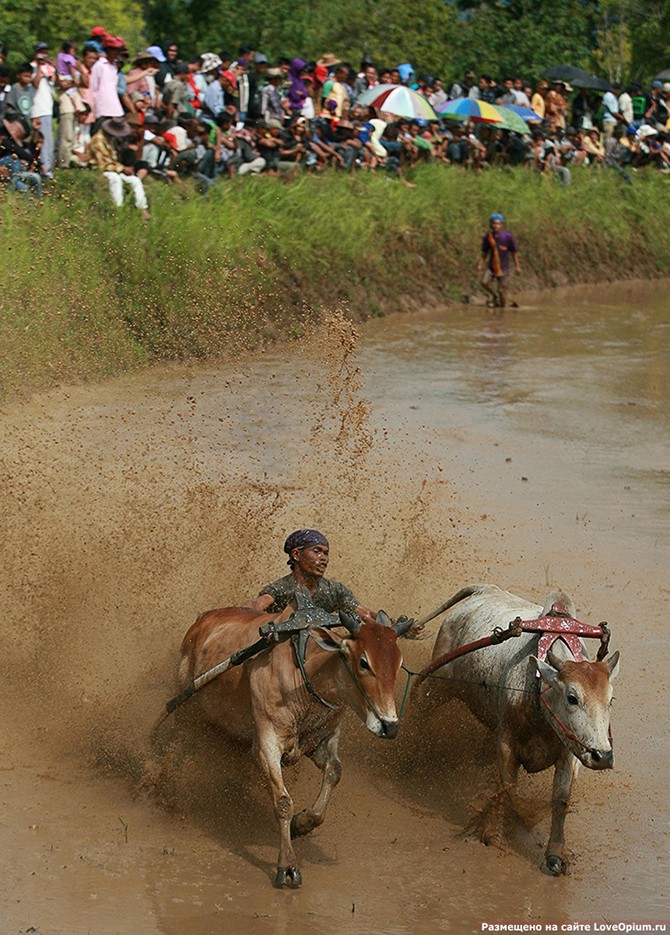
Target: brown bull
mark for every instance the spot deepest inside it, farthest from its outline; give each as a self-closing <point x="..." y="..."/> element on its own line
<point x="267" y="702"/>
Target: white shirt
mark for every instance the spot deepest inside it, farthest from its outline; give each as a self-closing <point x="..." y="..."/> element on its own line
<point x="626" y="106"/>
<point x="43" y="102"/>
<point x="611" y="107"/>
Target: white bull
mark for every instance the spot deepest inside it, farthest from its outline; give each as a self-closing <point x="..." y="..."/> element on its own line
<point x="560" y="719"/>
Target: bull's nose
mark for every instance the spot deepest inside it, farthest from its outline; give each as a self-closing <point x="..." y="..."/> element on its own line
<point x="389" y="728"/>
<point x="602" y="759"/>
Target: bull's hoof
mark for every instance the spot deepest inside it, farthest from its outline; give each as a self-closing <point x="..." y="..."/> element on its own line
<point x="554" y="865"/>
<point x="288" y="876"/>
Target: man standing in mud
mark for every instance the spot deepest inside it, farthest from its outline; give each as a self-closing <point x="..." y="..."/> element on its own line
<point x="497" y="246"/>
<point x="308" y="555"/>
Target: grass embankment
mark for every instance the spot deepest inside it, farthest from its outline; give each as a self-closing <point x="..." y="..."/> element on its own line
<point x="87" y="292"/>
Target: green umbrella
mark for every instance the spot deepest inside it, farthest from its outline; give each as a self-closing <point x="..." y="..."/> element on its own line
<point x="510" y="120"/>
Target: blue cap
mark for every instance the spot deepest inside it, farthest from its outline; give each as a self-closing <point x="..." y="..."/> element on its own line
<point x="157" y="53"/>
<point x="657" y="84"/>
<point x="497" y="217"/>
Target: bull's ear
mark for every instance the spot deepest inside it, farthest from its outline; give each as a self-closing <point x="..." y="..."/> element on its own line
<point x="546" y="672"/>
<point x="326" y="639"/>
<point x="383" y="619"/>
<point x="613" y="664"/>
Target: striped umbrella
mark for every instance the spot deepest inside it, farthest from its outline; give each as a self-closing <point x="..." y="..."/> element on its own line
<point x="399" y="100"/>
<point x="466" y="108"/>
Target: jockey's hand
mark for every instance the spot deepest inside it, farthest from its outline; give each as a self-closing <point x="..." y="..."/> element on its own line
<point x="415" y="632"/>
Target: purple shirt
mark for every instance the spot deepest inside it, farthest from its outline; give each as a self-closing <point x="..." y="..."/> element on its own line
<point x="506" y="245"/>
<point x="104" y="80"/>
<point x="64" y="63"/>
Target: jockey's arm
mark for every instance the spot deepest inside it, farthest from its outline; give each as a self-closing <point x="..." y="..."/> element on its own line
<point x="260" y="603"/>
<point x="366" y="614"/>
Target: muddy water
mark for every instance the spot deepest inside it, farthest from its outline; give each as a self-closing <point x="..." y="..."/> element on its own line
<point x="529" y="449"/>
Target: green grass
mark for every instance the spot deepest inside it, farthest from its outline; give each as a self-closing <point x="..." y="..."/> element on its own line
<point x="88" y="291"/>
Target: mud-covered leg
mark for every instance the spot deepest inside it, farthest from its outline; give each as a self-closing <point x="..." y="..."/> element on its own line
<point x="326" y="758"/>
<point x="564" y="774"/>
<point x="508" y="773"/>
<point x="268" y="753"/>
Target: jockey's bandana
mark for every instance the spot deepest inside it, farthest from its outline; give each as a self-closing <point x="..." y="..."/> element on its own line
<point x="303" y="539"/>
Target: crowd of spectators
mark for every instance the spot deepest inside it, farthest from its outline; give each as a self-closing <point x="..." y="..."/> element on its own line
<point x="157" y="116"/>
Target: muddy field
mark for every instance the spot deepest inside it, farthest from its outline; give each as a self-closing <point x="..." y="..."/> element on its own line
<point x="528" y="449"/>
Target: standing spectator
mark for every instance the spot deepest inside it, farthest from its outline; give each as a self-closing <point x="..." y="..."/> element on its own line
<point x="20" y="98"/>
<point x="271" y="105"/>
<point x="297" y="92"/>
<point x="170" y="59"/>
<point x="256" y="81"/>
<point x="465" y="88"/>
<point x="42" y="109"/>
<point x="556" y="104"/>
<point x="98" y="33"/>
<point x="522" y="98"/>
<point x="85" y="117"/>
<point x="657" y="109"/>
<point x="406" y="74"/>
<point x="243" y="90"/>
<point x="105" y="154"/>
<point x="611" y="114"/>
<point x="583" y="111"/>
<point x="625" y="104"/>
<point x="438" y="95"/>
<point x="141" y="79"/>
<point x="338" y="92"/>
<point x="367" y="80"/>
<point x="5" y="87"/>
<point x="177" y="94"/>
<point x="221" y="95"/>
<point x="537" y="102"/>
<point x="487" y="89"/>
<point x="105" y="80"/>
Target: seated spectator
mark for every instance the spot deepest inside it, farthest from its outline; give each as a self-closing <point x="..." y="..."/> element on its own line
<point x="105" y="156"/>
<point x="594" y="147"/>
<point x="247" y="158"/>
<point x="17" y="158"/>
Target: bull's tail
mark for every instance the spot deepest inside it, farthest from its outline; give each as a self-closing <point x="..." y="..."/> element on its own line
<point x="459" y="596"/>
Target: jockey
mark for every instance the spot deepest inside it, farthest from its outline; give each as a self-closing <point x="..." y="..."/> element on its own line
<point x="308" y="553"/>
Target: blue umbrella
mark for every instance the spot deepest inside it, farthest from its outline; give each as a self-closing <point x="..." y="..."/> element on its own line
<point x="525" y="112"/>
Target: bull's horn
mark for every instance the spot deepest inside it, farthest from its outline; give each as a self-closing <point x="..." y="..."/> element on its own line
<point x="403" y="624"/>
<point x="554" y="661"/>
<point x="353" y="624"/>
<point x="383" y="618"/>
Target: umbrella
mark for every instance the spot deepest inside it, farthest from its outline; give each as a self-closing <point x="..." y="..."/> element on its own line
<point x="569" y="73"/>
<point x="466" y="108"/>
<point x="530" y="116"/>
<point x="510" y="120"/>
<point x="663" y="75"/>
<point x="577" y="77"/>
<point x="399" y="100"/>
<point x="594" y="84"/>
